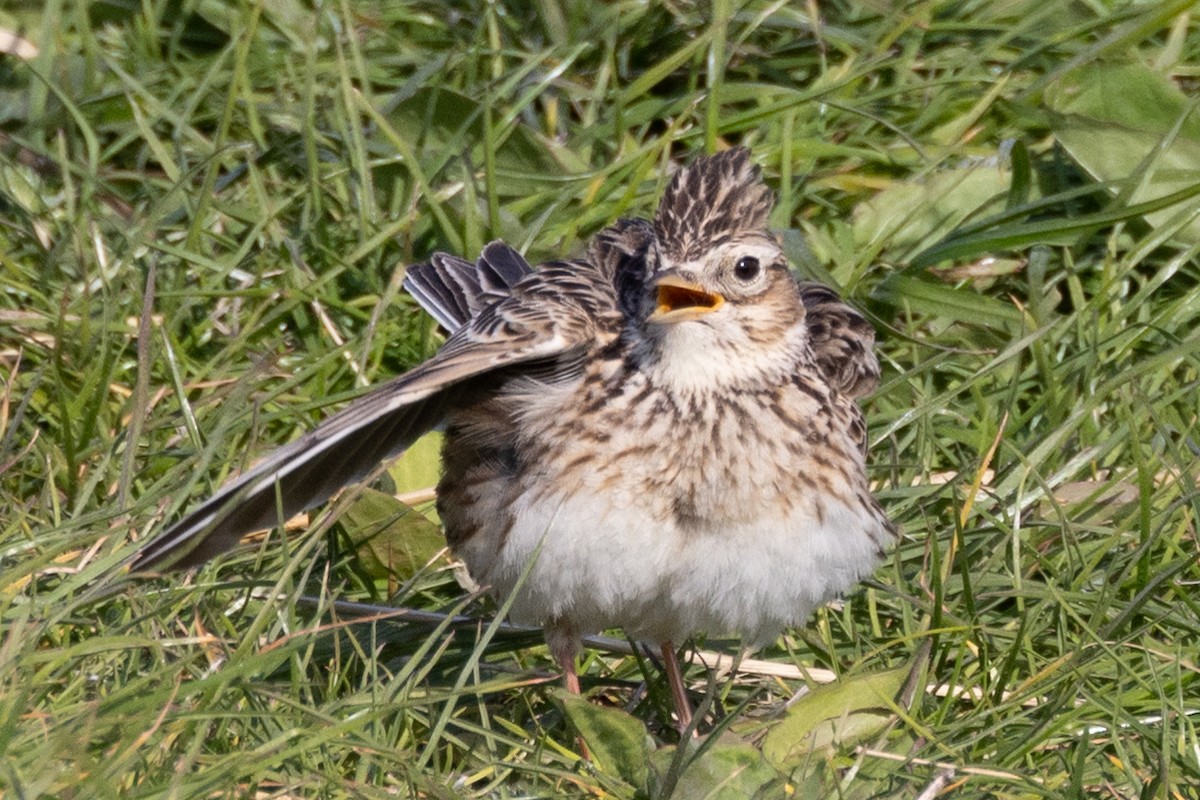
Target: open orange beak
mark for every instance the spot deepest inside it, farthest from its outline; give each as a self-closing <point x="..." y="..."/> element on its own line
<point x="680" y="300"/>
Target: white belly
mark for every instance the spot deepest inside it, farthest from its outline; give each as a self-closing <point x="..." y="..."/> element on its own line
<point x="672" y="518"/>
<point x="599" y="562"/>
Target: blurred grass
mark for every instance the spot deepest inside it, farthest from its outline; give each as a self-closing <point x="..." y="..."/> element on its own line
<point x="205" y="210"/>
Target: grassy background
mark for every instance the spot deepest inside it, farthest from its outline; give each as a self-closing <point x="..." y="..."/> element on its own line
<point x="205" y="211"/>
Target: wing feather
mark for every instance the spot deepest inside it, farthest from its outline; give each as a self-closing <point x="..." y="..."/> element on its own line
<point x="454" y="291"/>
<point x="538" y="323"/>
<point x="842" y="340"/>
<point x="441" y="288"/>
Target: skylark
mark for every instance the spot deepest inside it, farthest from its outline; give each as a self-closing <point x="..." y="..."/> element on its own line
<point x="668" y="426"/>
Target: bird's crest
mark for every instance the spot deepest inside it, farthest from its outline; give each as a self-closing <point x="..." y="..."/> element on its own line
<point x="710" y="200"/>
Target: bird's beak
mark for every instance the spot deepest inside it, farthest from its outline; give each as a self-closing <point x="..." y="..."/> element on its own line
<point x="680" y="300"/>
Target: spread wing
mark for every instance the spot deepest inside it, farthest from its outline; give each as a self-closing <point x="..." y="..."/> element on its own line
<point x="453" y="290"/>
<point x="842" y="340"/>
<point x="541" y="318"/>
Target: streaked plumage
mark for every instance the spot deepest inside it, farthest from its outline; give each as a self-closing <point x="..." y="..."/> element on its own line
<point x="669" y="423"/>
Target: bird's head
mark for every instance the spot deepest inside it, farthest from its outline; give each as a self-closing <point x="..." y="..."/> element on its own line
<point x="720" y="306"/>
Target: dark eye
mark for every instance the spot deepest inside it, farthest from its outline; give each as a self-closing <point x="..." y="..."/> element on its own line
<point x="746" y="269"/>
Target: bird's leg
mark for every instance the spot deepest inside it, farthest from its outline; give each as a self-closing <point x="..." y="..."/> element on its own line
<point x="564" y="646"/>
<point x="570" y="675"/>
<point x="683" y="708"/>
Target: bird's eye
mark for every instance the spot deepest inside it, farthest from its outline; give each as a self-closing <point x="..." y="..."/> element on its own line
<point x="746" y="269"/>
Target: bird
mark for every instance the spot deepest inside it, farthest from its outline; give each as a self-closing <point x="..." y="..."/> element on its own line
<point x="663" y="435"/>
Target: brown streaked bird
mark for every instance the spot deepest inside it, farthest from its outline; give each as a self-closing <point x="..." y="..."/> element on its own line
<point x="668" y="426"/>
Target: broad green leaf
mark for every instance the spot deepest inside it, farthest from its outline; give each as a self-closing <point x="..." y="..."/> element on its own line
<point x="733" y="771"/>
<point x="947" y="302"/>
<point x="391" y="538"/>
<point x="421" y="465"/>
<point x="619" y="743"/>
<point x="1127" y="121"/>
<point x="909" y="214"/>
<point x="837" y="715"/>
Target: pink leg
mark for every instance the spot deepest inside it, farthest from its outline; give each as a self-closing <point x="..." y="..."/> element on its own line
<point x="683" y="708"/>
<point x="564" y="646"/>
<point x="570" y="676"/>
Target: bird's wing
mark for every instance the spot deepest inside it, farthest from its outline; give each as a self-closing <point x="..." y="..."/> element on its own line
<point x="842" y="341"/>
<point x="549" y="315"/>
<point x="453" y="290"/>
<point x="621" y="251"/>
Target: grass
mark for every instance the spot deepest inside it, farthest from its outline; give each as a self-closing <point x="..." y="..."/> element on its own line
<point x="205" y="211"/>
